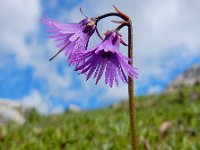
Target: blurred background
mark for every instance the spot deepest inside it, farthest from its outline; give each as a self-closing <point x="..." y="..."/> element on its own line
<point x="166" y="44"/>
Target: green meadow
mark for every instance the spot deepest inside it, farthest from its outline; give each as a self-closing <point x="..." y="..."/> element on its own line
<point x="108" y="128"/>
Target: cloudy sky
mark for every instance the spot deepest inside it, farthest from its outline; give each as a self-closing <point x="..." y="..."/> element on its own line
<point x="166" y="42"/>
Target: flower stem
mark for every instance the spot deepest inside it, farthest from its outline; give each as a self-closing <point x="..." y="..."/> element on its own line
<point x="122" y="25"/>
<point x="134" y="140"/>
<point x="109" y="15"/>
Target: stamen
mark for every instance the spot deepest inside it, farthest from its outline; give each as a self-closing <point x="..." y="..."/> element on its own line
<point x="59" y="51"/>
<point x="84" y="13"/>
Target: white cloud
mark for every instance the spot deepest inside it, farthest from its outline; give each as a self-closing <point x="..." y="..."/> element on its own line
<point x="21" y="19"/>
<point x="42" y="104"/>
<point x="34" y="99"/>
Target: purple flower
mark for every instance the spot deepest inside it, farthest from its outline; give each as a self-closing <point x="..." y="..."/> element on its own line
<point x="106" y="56"/>
<point x="71" y="37"/>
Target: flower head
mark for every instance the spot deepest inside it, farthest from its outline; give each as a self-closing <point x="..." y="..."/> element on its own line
<point x="106" y="56"/>
<point x="71" y="37"/>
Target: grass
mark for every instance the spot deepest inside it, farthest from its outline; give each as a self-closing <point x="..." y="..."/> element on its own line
<point x="108" y="129"/>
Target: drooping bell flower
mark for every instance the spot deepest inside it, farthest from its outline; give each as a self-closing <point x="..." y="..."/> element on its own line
<point x="70" y="37"/>
<point x="106" y="57"/>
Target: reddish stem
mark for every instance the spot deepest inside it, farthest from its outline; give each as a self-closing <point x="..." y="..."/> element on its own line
<point x="134" y="141"/>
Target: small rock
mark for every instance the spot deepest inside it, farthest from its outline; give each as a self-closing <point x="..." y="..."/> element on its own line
<point x="8" y="114"/>
<point x="13" y="111"/>
<point x="164" y="128"/>
<point x="115" y="105"/>
<point x="73" y="108"/>
<point x="3" y="131"/>
<point x="147" y="145"/>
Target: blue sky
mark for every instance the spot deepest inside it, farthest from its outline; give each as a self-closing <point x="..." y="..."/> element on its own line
<point x="166" y="42"/>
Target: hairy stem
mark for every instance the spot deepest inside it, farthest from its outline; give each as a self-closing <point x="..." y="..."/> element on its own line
<point x="109" y="15"/>
<point x="122" y="25"/>
<point x="98" y="18"/>
<point x="134" y="140"/>
<point x="132" y="115"/>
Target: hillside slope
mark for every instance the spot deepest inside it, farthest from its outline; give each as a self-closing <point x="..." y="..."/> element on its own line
<point x="190" y="77"/>
<point x="108" y="129"/>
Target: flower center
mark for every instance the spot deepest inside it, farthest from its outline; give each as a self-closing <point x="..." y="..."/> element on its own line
<point x="89" y="27"/>
<point x="106" y="55"/>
